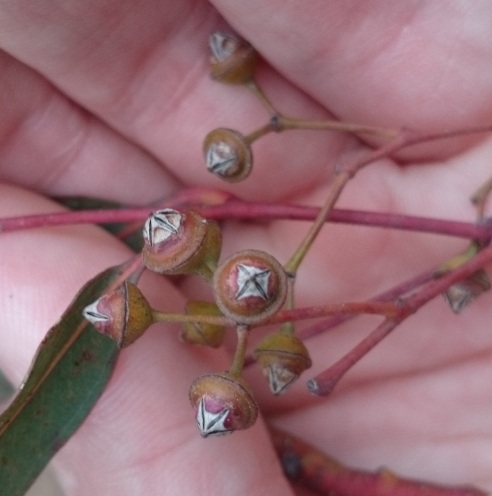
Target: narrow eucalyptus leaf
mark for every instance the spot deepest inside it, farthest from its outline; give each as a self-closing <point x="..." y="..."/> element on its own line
<point x="6" y="388"/>
<point x="71" y="368"/>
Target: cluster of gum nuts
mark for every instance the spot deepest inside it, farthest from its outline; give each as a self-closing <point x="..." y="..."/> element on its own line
<point x="248" y="287"/>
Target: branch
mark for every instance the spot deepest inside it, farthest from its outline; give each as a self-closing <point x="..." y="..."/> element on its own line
<point x="315" y="470"/>
<point x="324" y="383"/>
<point x="237" y="209"/>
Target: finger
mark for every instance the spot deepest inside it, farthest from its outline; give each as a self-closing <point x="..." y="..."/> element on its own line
<point x="141" y="437"/>
<point x="52" y="145"/>
<point x="402" y="420"/>
<point x="390" y="65"/>
<point x="145" y="72"/>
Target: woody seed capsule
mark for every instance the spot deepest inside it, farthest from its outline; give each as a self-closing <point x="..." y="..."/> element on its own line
<point x="123" y="315"/>
<point x="202" y="333"/>
<point x="181" y="243"/>
<point x="282" y="357"/>
<point x="233" y="60"/>
<point x="250" y="286"/>
<point x="228" y="154"/>
<point x="461" y="294"/>
<point x="222" y="404"/>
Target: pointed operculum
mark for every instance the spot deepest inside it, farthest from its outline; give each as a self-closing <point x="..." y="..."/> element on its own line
<point x="462" y="293"/>
<point x="213" y="418"/>
<point x="282" y="357"/>
<point x="108" y="313"/>
<point x="228" y="154"/>
<point x="222" y="404"/>
<point x="123" y="315"/>
<point x="233" y="59"/>
<point x="279" y="378"/>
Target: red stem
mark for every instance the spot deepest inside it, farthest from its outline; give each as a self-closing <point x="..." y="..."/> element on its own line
<point x="187" y="197"/>
<point x="315" y="470"/>
<point x="406" y="138"/>
<point x="324" y="383"/>
<point x="235" y="209"/>
<point x="335" y="320"/>
<point x="209" y="197"/>
<point x="437" y="286"/>
<point x="25" y="222"/>
<point x="395" y="292"/>
<point x="348" y="308"/>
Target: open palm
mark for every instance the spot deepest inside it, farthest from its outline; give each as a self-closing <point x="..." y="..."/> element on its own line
<point x="113" y="99"/>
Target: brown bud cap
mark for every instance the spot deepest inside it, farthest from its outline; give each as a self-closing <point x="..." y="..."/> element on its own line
<point x="462" y="293"/>
<point x="222" y="404"/>
<point x="282" y="357"/>
<point x="228" y="154"/>
<point x="200" y="332"/>
<point x="233" y="60"/>
<point x="123" y="315"/>
<point x="181" y="243"/>
<point x="250" y="286"/>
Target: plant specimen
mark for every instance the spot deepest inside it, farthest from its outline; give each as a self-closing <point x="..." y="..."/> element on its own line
<point x="284" y="303"/>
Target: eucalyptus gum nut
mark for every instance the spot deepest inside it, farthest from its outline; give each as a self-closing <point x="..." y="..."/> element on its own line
<point x="139" y="315"/>
<point x="228" y="154"/>
<point x="282" y="357"/>
<point x="250" y="286"/>
<point x="201" y="333"/>
<point x="206" y="261"/>
<point x="124" y="315"/>
<point x="172" y="239"/>
<point x="233" y="60"/>
<point x="462" y="293"/>
<point x="180" y="243"/>
<point x="222" y="404"/>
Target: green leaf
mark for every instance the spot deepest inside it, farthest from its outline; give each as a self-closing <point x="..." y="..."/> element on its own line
<point x="86" y="203"/>
<point x="6" y="388"/>
<point x="72" y="366"/>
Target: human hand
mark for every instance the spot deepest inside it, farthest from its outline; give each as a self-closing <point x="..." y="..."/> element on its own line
<point x="112" y="100"/>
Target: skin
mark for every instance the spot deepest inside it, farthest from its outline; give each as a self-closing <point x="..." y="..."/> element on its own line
<point x="112" y="100"/>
